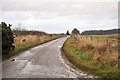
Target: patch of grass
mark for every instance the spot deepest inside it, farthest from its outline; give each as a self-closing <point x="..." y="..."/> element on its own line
<point x="21" y="47"/>
<point x="91" y="57"/>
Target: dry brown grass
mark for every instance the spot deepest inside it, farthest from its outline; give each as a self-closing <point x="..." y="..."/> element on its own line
<point x="105" y="50"/>
<point x="98" y="54"/>
<point x="25" y="39"/>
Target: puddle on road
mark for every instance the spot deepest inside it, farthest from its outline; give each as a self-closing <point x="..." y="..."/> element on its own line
<point x="13" y="60"/>
<point x="59" y="46"/>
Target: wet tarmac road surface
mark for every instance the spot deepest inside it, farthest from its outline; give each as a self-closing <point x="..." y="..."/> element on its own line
<point x="43" y="61"/>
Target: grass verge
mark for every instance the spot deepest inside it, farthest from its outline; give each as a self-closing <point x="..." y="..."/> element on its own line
<point x="24" y="47"/>
<point x="84" y="61"/>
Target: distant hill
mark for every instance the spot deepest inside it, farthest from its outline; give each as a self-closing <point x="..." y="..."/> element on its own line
<point x="29" y="32"/>
<point x="101" y="32"/>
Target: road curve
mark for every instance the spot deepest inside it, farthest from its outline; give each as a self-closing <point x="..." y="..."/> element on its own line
<point x="43" y="61"/>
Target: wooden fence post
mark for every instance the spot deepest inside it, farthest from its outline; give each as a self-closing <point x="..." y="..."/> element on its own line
<point x="91" y="38"/>
<point x="107" y="43"/>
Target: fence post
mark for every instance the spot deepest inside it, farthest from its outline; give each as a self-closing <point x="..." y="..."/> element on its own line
<point x="97" y="41"/>
<point x="107" y="43"/>
<point x="91" y="38"/>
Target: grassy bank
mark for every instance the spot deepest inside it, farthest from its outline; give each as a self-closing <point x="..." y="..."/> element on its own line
<point x="24" y="46"/>
<point x="94" y="54"/>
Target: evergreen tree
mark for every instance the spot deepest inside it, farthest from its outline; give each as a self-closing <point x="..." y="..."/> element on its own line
<point x="68" y="32"/>
<point x="7" y="38"/>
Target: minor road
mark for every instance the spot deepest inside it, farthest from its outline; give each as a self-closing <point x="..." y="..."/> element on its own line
<point x="43" y="61"/>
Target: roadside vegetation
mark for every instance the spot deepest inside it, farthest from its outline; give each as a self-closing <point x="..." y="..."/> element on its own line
<point x="23" y="40"/>
<point x="96" y="54"/>
<point x="7" y="38"/>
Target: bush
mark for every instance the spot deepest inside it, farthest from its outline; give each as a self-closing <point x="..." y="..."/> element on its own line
<point x="75" y="31"/>
<point x="67" y="33"/>
<point x="7" y="38"/>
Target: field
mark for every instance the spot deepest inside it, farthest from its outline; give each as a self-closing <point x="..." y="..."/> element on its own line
<point x="96" y="54"/>
<point x="27" y="39"/>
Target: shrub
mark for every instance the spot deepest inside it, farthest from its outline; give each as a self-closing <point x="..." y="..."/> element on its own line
<point x="7" y="38"/>
<point x="67" y="33"/>
<point x="75" y="31"/>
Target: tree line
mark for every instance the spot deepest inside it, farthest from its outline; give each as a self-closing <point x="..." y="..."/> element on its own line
<point x="101" y="32"/>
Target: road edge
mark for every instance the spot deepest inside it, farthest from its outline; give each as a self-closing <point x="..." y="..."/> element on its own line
<point x="19" y="53"/>
<point x="68" y="62"/>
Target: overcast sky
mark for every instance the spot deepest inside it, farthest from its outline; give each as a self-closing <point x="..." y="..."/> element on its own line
<point x="58" y="16"/>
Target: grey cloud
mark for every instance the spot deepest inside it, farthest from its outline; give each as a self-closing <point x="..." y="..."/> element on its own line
<point x="65" y="15"/>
